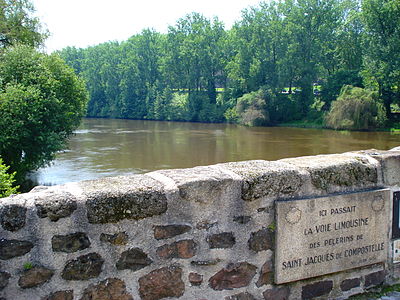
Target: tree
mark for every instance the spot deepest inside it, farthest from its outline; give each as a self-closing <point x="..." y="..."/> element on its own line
<point x="381" y="19"/>
<point x="18" y="26"/>
<point x="41" y="102"/>
<point x="6" y="181"/>
<point x="193" y="60"/>
<point x="251" y="109"/>
<point x="311" y="28"/>
<point x="357" y="109"/>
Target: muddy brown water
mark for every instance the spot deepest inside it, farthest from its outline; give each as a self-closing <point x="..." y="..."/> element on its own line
<point x="109" y="147"/>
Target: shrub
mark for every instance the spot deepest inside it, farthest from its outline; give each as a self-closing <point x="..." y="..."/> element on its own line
<point x="357" y="109"/>
<point x="6" y="181"/>
<point x="251" y="109"/>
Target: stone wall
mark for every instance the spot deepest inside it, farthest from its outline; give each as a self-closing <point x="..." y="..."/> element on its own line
<point x="200" y="233"/>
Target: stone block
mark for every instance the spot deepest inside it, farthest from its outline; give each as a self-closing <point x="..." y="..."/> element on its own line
<point x="266" y="274"/>
<point x="375" y="278"/>
<point x="195" y="279"/>
<point x="348" y="284"/>
<point x="267" y="179"/>
<point x="117" y="239"/>
<point x="4" y="276"/>
<point x="70" y="243"/>
<point x="83" y="268"/>
<point x="209" y="262"/>
<point x="179" y="249"/>
<point x="261" y="240"/>
<point x="14" y="248"/>
<point x="222" y="240"/>
<point x="55" y="204"/>
<point x="337" y="172"/>
<point x="136" y="197"/>
<point x="233" y="276"/>
<point x="12" y="217"/>
<point x="390" y="164"/>
<point x="60" y="295"/>
<point x="169" y="231"/>
<point x="133" y="259"/>
<point x="241" y="296"/>
<point x="316" y="289"/>
<point x="162" y="283"/>
<point x="109" y="289"/>
<point x="277" y="293"/>
<point x="200" y="184"/>
<point x="35" y="277"/>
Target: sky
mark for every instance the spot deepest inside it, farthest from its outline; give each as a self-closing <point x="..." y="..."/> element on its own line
<point x="83" y="23"/>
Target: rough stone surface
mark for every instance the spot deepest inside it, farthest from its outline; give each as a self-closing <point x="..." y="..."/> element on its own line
<point x="109" y="289"/>
<point x="12" y="217"/>
<point x="277" y="293"/>
<point x="266" y="274"/>
<point x="55" y="205"/>
<point x="4" y="276"/>
<point x="35" y="277"/>
<point x="133" y="259"/>
<point x="205" y="225"/>
<point x="349" y="284"/>
<point x="70" y="243"/>
<point x="267" y="179"/>
<point x="221" y="240"/>
<point x="179" y="249"/>
<point x="375" y="278"/>
<point x="117" y="239"/>
<point x="195" y="279"/>
<point x="242" y="219"/>
<point x="83" y="268"/>
<point x="169" y="231"/>
<point x="317" y="289"/>
<point x="14" y="248"/>
<point x="162" y="283"/>
<point x="390" y="164"/>
<point x="241" y="296"/>
<point x="261" y="240"/>
<point x="60" y="295"/>
<point x="200" y="184"/>
<point x="110" y="200"/>
<point x="210" y="262"/>
<point x="337" y="170"/>
<point x="233" y="276"/>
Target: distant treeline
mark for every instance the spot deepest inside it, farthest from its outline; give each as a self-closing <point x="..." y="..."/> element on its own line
<point x="282" y="61"/>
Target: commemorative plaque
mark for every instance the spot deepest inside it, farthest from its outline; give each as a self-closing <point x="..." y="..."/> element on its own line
<point x="325" y="235"/>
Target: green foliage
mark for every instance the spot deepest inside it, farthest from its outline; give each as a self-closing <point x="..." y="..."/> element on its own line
<point x="356" y="109"/>
<point x="335" y="82"/>
<point x="18" y="26"/>
<point x="231" y="115"/>
<point x="275" y="46"/>
<point x="251" y="109"/>
<point x="28" y="266"/>
<point x="7" y="181"/>
<point x="382" y="39"/>
<point x="41" y="102"/>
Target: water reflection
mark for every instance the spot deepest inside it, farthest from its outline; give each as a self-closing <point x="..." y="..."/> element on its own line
<point x="107" y="147"/>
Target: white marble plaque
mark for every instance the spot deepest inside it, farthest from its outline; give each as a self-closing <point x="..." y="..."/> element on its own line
<point x="325" y="235"/>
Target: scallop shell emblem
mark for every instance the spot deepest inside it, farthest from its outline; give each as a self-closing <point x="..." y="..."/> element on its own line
<point x="293" y="216"/>
<point x="378" y="203"/>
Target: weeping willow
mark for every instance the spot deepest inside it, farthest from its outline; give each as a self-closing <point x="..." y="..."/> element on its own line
<point x="356" y="109"/>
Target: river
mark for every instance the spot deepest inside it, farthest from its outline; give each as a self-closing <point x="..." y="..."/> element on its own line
<point x="110" y="147"/>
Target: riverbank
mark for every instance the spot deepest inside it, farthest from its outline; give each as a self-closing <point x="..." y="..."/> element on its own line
<point x="393" y="127"/>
